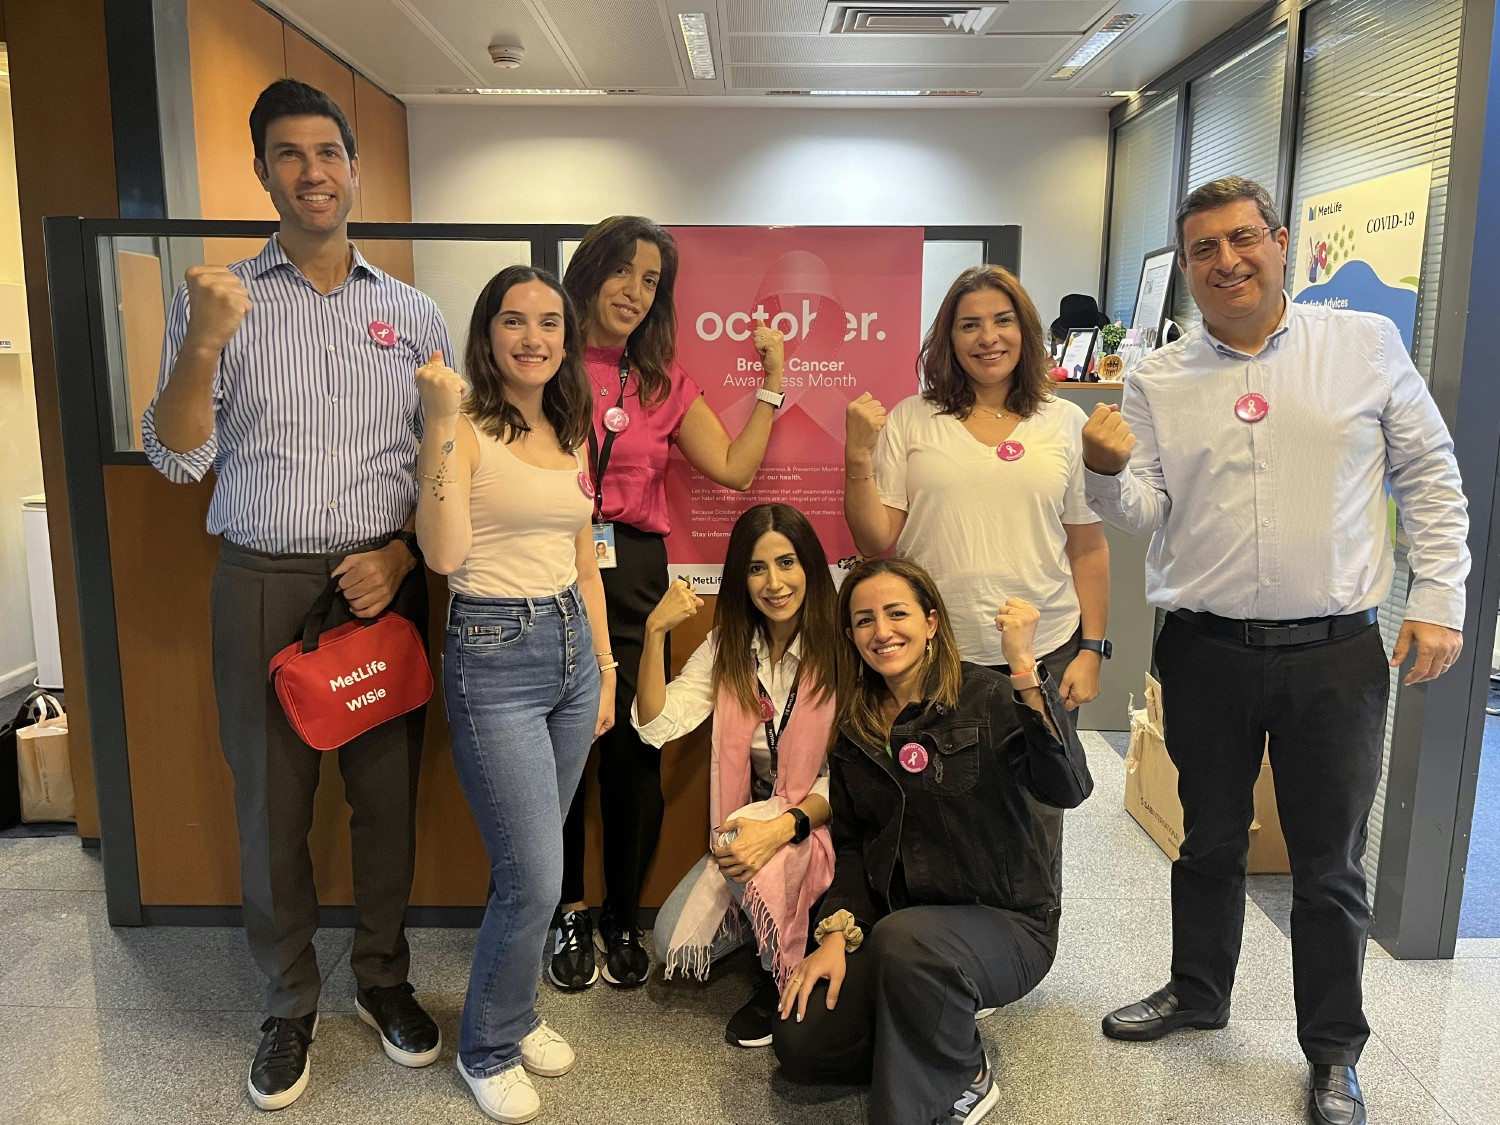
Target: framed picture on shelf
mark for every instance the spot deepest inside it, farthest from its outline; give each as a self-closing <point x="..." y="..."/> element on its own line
<point x="1153" y="296"/>
<point x="1078" y="353"/>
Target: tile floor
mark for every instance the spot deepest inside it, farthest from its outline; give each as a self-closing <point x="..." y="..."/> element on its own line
<point x="158" y="1025"/>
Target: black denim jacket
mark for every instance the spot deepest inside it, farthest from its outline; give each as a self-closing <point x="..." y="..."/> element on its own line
<point x="980" y="824"/>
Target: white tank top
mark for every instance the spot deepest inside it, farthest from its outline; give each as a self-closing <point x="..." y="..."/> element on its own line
<point x="525" y="523"/>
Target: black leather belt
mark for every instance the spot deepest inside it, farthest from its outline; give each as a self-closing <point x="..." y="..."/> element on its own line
<point x="1274" y="634"/>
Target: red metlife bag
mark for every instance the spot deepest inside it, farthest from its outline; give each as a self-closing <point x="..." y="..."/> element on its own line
<point x="334" y="686"/>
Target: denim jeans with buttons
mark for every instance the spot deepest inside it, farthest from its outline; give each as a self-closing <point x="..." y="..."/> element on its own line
<point x="522" y="688"/>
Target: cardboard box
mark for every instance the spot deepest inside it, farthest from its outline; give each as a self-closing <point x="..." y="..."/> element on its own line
<point x="1151" y="793"/>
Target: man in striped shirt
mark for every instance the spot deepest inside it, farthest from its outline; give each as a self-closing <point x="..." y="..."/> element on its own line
<point x="291" y="376"/>
<point x="1257" y="450"/>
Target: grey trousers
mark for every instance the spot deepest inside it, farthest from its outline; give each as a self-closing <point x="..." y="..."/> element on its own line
<point x="259" y="602"/>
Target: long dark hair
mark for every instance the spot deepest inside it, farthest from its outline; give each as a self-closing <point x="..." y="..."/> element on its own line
<point x="738" y="621"/>
<point x="607" y="246"/>
<point x="945" y="384"/>
<point x="566" y="402"/>
<point x="862" y="691"/>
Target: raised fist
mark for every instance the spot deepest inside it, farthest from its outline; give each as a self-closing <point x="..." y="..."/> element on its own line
<point x="217" y="305"/>
<point x="1107" y="441"/>
<point x="771" y="345"/>
<point x="864" y="418"/>
<point x="442" y="388"/>
<point x="677" y="605"/>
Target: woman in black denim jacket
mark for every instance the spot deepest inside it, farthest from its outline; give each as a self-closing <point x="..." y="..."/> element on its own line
<point x="947" y="783"/>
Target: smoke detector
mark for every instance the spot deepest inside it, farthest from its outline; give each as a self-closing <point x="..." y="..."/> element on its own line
<point x="507" y="56"/>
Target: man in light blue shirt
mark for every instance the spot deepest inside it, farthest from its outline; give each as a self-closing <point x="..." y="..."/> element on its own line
<point x="1256" y="452"/>
<point x="291" y="375"/>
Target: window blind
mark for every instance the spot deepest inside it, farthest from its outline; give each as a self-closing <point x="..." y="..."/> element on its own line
<point x="1379" y="83"/>
<point x="1234" y="129"/>
<point x="1140" y="211"/>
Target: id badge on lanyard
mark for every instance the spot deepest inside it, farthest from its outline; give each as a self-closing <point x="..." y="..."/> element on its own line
<point x="616" y="422"/>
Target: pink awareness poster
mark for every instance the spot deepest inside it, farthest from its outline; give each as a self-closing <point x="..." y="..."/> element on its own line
<point x="848" y="300"/>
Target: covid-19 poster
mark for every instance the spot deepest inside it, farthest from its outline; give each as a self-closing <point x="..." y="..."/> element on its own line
<point x="1360" y="247"/>
<point x="848" y="300"/>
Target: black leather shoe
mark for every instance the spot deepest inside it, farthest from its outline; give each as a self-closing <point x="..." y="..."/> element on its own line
<point x="408" y="1034"/>
<point x="1158" y="1015"/>
<point x="1335" y="1098"/>
<point x="279" y="1073"/>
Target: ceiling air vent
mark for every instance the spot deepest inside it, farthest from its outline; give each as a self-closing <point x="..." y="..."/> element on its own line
<point x="888" y="17"/>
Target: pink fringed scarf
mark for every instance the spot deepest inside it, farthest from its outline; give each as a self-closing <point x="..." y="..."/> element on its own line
<point x="779" y="897"/>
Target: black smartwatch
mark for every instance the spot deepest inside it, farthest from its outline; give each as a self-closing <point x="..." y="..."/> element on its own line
<point x="804" y="825"/>
<point x="1103" y="648"/>
<point x="410" y="539"/>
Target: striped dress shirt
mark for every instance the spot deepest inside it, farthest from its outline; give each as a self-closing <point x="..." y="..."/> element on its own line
<point x="1286" y="518"/>
<point x="315" y="420"/>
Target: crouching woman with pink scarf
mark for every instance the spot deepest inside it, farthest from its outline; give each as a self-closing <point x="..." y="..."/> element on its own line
<point x="766" y="674"/>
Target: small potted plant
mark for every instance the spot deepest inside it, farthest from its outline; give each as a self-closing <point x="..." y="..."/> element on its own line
<point x="1110" y="337"/>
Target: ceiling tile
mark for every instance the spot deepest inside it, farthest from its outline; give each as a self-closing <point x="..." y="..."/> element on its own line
<point x="377" y="38"/>
<point x="1070" y="17"/>
<point x="470" y="28"/>
<point x="891" y="50"/>
<point x="619" y="44"/>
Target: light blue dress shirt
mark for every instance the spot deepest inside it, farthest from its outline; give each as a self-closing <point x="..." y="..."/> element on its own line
<point x="315" y="420"/>
<point x="1286" y="518"/>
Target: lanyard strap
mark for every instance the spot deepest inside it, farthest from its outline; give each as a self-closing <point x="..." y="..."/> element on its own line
<point x="774" y="733"/>
<point x="599" y="456"/>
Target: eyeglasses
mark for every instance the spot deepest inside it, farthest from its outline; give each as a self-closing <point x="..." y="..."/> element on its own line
<point x="1207" y="249"/>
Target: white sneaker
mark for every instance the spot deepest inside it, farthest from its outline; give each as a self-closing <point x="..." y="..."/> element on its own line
<point x="508" y="1096"/>
<point x="984" y="1014"/>
<point x="547" y="1053"/>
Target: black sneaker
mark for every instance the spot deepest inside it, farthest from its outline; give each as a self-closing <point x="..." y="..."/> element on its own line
<point x="975" y="1103"/>
<point x="279" y="1073"/>
<point x="626" y="964"/>
<point x="751" y="1025"/>
<point x="572" y="967"/>
<point x="408" y="1034"/>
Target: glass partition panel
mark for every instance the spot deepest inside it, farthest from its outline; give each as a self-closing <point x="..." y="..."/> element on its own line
<point x="139" y="274"/>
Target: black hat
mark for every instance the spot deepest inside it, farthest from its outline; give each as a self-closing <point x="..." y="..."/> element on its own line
<point x="1078" y="310"/>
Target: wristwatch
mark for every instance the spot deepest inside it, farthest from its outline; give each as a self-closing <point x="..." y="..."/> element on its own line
<point x="1032" y="678"/>
<point x="773" y="399"/>
<point x="1103" y="648"/>
<point x="410" y="539"/>
<point x="803" y="827"/>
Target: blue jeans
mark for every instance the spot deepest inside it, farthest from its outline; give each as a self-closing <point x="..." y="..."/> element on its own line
<point x="522" y="689"/>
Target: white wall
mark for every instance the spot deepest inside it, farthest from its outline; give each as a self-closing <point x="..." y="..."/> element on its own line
<point x="1041" y="168"/>
<point x="20" y="451"/>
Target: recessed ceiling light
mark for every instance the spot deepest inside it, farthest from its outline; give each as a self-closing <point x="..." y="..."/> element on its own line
<point x="1111" y="30"/>
<point x="866" y="93"/>
<point x="1119" y="93"/>
<point x="695" y="38"/>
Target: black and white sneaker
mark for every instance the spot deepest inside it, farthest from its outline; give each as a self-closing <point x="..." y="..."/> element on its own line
<point x="279" y="1073"/>
<point x="751" y="1025"/>
<point x="626" y="963"/>
<point x="408" y="1035"/>
<point x="572" y="967"/>
<point x="975" y="1102"/>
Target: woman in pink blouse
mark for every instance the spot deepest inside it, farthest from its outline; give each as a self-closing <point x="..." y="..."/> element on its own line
<point x="621" y="278"/>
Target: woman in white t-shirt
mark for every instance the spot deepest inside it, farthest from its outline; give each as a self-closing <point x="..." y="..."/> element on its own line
<point x="980" y="480"/>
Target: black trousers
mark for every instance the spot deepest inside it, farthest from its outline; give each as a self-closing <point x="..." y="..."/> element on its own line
<point x="631" y="806"/>
<point x="1323" y="706"/>
<point x="905" y="1016"/>
<point x="259" y="602"/>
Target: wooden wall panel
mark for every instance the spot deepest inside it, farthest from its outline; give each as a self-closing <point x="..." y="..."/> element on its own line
<point x="384" y="175"/>
<point x="143" y="322"/>
<point x="55" y="178"/>
<point x="236" y="51"/>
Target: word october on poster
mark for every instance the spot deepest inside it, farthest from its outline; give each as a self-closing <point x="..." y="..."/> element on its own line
<point x="848" y="300"/>
<point x="1360" y="247"/>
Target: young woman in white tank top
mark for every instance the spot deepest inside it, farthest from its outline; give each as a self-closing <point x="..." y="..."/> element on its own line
<point x="504" y="510"/>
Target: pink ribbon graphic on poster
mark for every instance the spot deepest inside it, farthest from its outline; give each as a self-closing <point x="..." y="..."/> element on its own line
<point x="848" y="300"/>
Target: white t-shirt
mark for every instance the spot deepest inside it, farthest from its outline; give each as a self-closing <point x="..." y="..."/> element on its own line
<point x="987" y="529"/>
